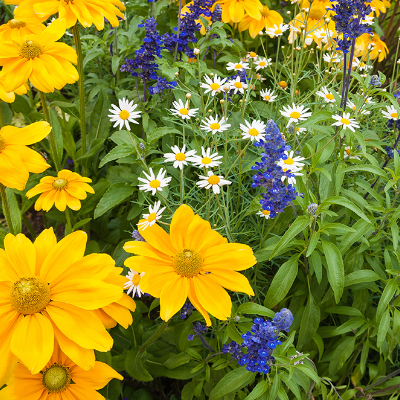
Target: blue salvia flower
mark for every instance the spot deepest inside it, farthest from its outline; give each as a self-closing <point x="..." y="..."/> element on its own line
<point x="186" y="310"/>
<point x="283" y="319"/>
<point x="161" y="85"/>
<point x="198" y="329"/>
<point x="375" y="81"/>
<point x="312" y="208"/>
<point x="216" y="14"/>
<point x="137" y="236"/>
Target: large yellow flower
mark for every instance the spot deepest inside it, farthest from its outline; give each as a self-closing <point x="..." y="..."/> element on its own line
<point x="194" y="262"/>
<point x="47" y="292"/>
<point x="9" y="97"/>
<point x="268" y="20"/>
<point x="233" y="10"/>
<point x="39" y="58"/>
<point x="370" y="47"/>
<point x="67" y="189"/>
<point x="15" y="29"/>
<point x="16" y="159"/>
<point x="87" y="12"/>
<point x="60" y="379"/>
<point x="380" y="6"/>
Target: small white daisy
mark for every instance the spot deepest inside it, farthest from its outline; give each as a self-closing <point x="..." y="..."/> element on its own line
<point x="133" y="284"/>
<point x="213" y="84"/>
<point x="300" y="130"/>
<point x="293" y="29"/>
<point x="263" y="63"/>
<point x="361" y="65"/>
<point x="348" y="153"/>
<point x="351" y="105"/>
<point x="295" y="113"/>
<point x="277" y="30"/>
<point x="252" y="55"/>
<point x="331" y="58"/>
<point x="182" y="110"/>
<point x="292" y="179"/>
<point x="345" y="122"/>
<point x="369" y="101"/>
<point x="326" y="95"/>
<point x="179" y="157"/>
<point x="260" y="78"/>
<point x="254" y="131"/>
<point x="155" y="213"/>
<point x="124" y="114"/>
<point x="237" y="85"/>
<point x="293" y="163"/>
<point x="212" y="181"/>
<point x="237" y="66"/>
<point x="391" y="113"/>
<point x="268" y="95"/>
<point x="214" y="125"/>
<point x="264" y="214"/>
<point x="152" y="183"/>
<point x="208" y="160"/>
<point x="323" y="34"/>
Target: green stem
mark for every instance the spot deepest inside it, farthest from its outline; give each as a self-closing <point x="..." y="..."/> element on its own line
<point x="6" y="209"/>
<point x="150" y="341"/>
<point x="28" y="226"/>
<point x="69" y="224"/>
<point x="1" y="114"/>
<point x="51" y="136"/>
<point x="116" y="52"/>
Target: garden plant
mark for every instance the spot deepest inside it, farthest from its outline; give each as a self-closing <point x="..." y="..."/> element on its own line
<point x="199" y="199"/>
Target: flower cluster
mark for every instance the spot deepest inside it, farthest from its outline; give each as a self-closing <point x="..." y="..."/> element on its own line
<point x="187" y="310"/>
<point x="161" y="85"/>
<point x="260" y="342"/>
<point x="198" y="329"/>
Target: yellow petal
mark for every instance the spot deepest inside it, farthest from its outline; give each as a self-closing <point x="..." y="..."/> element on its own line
<point x="145" y="264"/>
<point x="153" y="282"/>
<point x="21" y="254"/>
<point x="28" y="135"/>
<point x="44" y="243"/>
<point x="173" y="296"/>
<point x="195" y="302"/>
<point x="181" y="220"/>
<point x="233" y="281"/>
<point x="158" y="238"/>
<point x="97" y="377"/>
<point x="119" y="313"/>
<point x="145" y="249"/>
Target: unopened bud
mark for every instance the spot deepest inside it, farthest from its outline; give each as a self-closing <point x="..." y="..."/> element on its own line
<point x="176" y="73"/>
<point x="222" y="101"/>
<point x="188" y="95"/>
<point x="196" y="52"/>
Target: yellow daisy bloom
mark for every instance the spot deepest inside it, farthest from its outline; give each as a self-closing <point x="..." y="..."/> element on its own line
<point x="233" y="10"/>
<point x="15" y="29"/>
<point x="269" y="18"/>
<point x="47" y="292"/>
<point x="380" y="6"/>
<point x="369" y="47"/>
<point x="87" y="12"/>
<point x="60" y="379"/>
<point x="16" y="159"/>
<point x="39" y="58"/>
<point x="194" y="262"/>
<point x="9" y="97"/>
<point x="64" y="190"/>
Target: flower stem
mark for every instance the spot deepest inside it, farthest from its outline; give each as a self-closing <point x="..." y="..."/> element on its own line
<point x="6" y="208"/>
<point x="51" y="136"/>
<point x="150" y="341"/>
<point x="1" y="114"/>
<point x="69" y="224"/>
<point x="178" y="30"/>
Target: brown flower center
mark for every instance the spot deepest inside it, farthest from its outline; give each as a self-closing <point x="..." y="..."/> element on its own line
<point x="60" y="184"/>
<point x="187" y="263"/>
<point x="31" y="49"/>
<point x="14" y="23"/>
<point x="2" y="143"/>
<point x="56" y="378"/>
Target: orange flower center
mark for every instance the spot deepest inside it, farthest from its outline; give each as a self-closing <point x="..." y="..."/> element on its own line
<point x="184" y="111"/>
<point x="215" y="126"/>
<point x="187" y="263"/>
<point x="330" y="96"/>
<point x="215" y="86"/>
<point x="14" y="23"/>
<point x="238" y="85"/>
<point x="206" y="160"/>
<point x="2" y="143"/>
<point x="262" y="64"/>
<point x="124" y="114"/>
<point x="345" y="121"/>
<point x="213" y="180"/>
<point x="283" y="84"/>
<point x="289" y="161"/>
<point x="152" y="217"/>
<point x="266" y="212"/>
<point x="295" y="115"/>
<point x="136" y="279"/>
<point x="348" y="151"/>
<point x="252" y="54"/>
<point x="180" y="157"/>
<point x="253" y="132"/>
<point x="155" y="183"/>
<point x="31" y="49"/>
<point x="393" y="115"/>
<point x="278" y="31"/>
<point x="56" y="378"/>
<point x="60" y="183"/>
<point x="30" y="295"/>
<point x="238" y="66"/>
<point x="267" y="98"/>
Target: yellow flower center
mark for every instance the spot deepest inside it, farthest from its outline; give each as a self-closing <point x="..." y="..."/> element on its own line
<point x="317" y="12"/>
<point x="152" y="217"/>
<point x="213" y="180"/>
<point x="295" y="115"/>
<point x="330" y="96"/>
<point x="362" y="65"/>
<point x="367" y="101"/>
<point x="262" y="64"/>
<point x="393" y="115"/>
<point x="289" y="161"/>
<point x="206" y="160"/>
<point x="278" y="31"/>
<point x="180" y="157"/>
<point x="266" y="212"/>
<point x="30" y="295"/>
<point x="348" y="151"/>
<point x="215" y="126"/>
<point x="267" y="98"/>
<point x="252" y="54"/>
<point x="60" y="184"/>
<point x="238" y="85"/>
<point x="265" y="12"/>
<point x="14" y="23"/>
<point x="253" y="132"/>
<point x="345" y="121"/>
<point x="56" y="378"/>
<point x="155" y="183"/>
<point x="354" y="108"/>
<point x="238" y="66"/>
<point x="124" y="114"/>
<point x="283" y="84"/>
<point x="184" y="111"/>
<point x="187" y="263"/>
<point x="2" y="143"/>
<point x="136" y="279"/>
<point x="30" y="49"/>
<point x="215" y="86"/>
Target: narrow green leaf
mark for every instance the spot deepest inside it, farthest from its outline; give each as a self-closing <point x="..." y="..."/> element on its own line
<point x="342" y="201"/>
<point x="121" y="151"/>
<point x="254" y="308"/>
<point x="158" y="133"/>
<point x="230" y="382"/>
<point x="258" y="391"/>
<point x="361" y="276"/>
<point x="115" y="195"/>
<point x="335" y="268"/>
<point x="386" y="297"/>
<point x="274" y="389"/>
<point x="309" y="322"/>
<point x="383" y="328"/>
<point x="305" y="369"/>
<point x="14" y="210"/>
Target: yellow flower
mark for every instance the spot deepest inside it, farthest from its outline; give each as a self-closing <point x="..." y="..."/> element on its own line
<point x="47" y="292"/>
<point x="15" y="29"/>
<point x="87" y="12"/>
<point x="16" y="159"/>
<point x="60" y="379"/>
<point x="9" y="97"/>
<point x="64" y="190"/>
<point x="194" y="262"/>
<point x="186" y="10"/>
<point x="369" y="47"/>
<point x="233" y="10"/>
<point x="269" y="18"/>
<point x="39" y="58"/>
<point x="380" y="6"/>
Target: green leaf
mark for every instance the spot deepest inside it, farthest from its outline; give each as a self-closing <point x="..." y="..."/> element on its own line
<point x="57" y="133"/>
<point x="115" y="195"/>
<point x="309" y="322"/>
<point x="365" y="168"/>
<point x="350" y="325"/>
<point x="335" y="268"/>
<point x="254" y="308"/>
<point x="100" y="123"/>
<point x="14" y="210"/>
<point x="177" y="360"/>
<point x="342" y="201"/>
<point x="121" y="151"/>
<point x="361" y="276"/>
<point x="386" y="296"/>
<point x="81" y="223"/>
<point x="115" y="63"/>
<point x="344" y="310"/>
<point x="158" y="133"/>
<point x="134" y="367"/>
<point x="306" y="370"/>
<point x="258" y="391"/>
<point x="383" y="328"/>
<point x="254" y="206"/>
<point x="361" y="227"/>
<point x="316" y="264"/>
<point x="282" y="282"/>
<point x="343" y="350"/>
<point x="274" y="389"/>
<point x="313" y="243"/>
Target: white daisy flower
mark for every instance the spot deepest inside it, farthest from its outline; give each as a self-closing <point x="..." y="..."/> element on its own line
<point x="212" y="181"/>
<point x="182" y="110"/>
<point x="361" y="65"/>
<point x="326" y="95"/>
<point x="260" y="78"/>
<point x="254" y="131"/>
<point x="155" y="213"/>
<point x="369" y="101"/>
<point x="154" y="184"/>
<point x="295" y="113"/>
<point x="291" y="180"/>
<point x="208" y="160"/>
<point x="237" y="85"/>
<point x="268" y="95"/>
<point x="133" y="284"/>
<point x="368" y="20"/>
<point x="293" y="163"/>
<point x="124" y="114"/>
<point x="348" y="153"/>
<point x="293" y="29"/>
<point x="277" y="30"/>
<point x="300" y="130"/>
<point x="323" y="34"/>
<point x="345" y="122"/>
<point x="391" y="113"/>
<point x="264" y="214"/>
<point x="331" y="58"/>
<point x="179" y="157"/>
<point x="252" y="55"/>
<point x="263" y="63"/>
<point x="213" y="84"/>
<point x="237" y="66"/>
<point x="214" y="125"/>
<point x="351" y="105"/>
